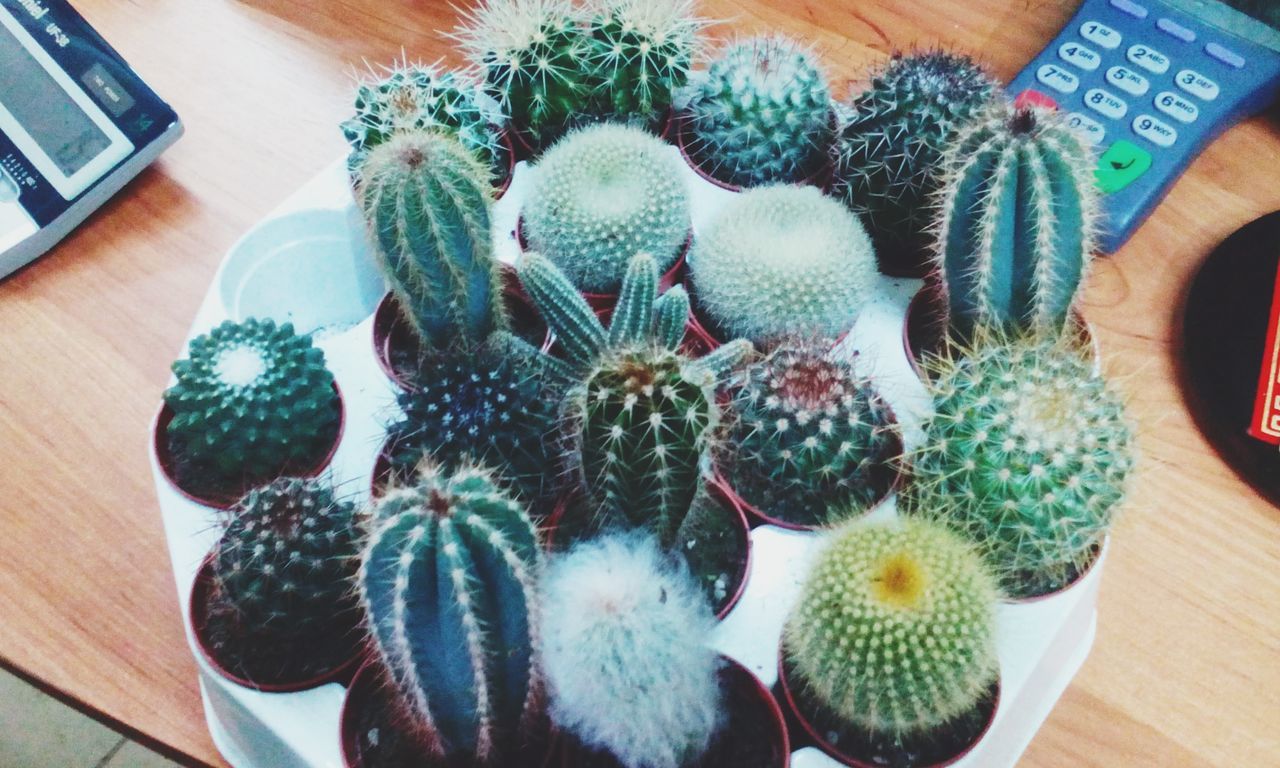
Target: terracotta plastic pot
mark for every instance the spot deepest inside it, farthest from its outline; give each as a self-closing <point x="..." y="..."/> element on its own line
<point x="821" y="177"/>
<point x="166" y="459"/>
<point x="198" y="614"/>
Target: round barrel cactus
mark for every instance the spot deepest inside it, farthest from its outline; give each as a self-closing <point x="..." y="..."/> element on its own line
<point x="639" y="53"/>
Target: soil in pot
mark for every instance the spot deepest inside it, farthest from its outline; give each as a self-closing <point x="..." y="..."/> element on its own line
<point x="1046" y="587"/>
<point x="810" y="721"/>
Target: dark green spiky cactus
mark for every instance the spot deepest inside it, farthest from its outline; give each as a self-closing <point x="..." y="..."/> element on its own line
<point x="639" y="53"/>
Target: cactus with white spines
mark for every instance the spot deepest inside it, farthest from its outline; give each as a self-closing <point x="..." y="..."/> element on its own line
<point x="890" y="147"/>
<point x="448" y="580"/>
<point x="761" y="115"/>
<point x="782" y="260"/>
<point x="808" y="437"/>
<point x="601" y="195"/>
<point x="642" y="417"/>
<point x="639" y="53"/>
<point x="895" y="629"/>
<point x="1018" y="213"/>
<point x="627" y="661"/>
<point x="1028" y="452"/>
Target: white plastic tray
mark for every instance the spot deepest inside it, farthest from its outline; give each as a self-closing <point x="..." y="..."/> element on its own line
<point x="309" y="263"/>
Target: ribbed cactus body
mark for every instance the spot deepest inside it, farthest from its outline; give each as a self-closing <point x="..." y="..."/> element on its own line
<point x="1016" y="233"/>
<point x="639" y="53"/>
<point x="284" y="562"/>
<point x="890" y="147"/>
<point x="895" y="628"/>
<point x="426" y="201"/>
<point x="783" y="260"/>
<point x="448" y="580"/>
<point x="761" y="115"/>
<point x="1028" y="453"/>
<point x="251" y="399"/>
<point x="808" y="436"/>
<point x="600" y="196"/>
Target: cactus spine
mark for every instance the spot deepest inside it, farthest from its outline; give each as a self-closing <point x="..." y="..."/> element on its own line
<point x="639" y="53"/>
<point x="1016" y="232"/>
<point x="762" y="114"/>
<point x="895" y="629"/>
<point x="1028" y="453"/>
<point x="448" y="581"/>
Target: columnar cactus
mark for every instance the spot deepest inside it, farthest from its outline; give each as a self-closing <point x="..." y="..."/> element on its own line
<point x="639" y="53"/>
<point x="808" y="436"/>
<point x="762" y="114"/>
<point x="895" y="629"/>
<point x="890" y="148"/>
<point x="627" y="660"/>
<point x="414" y="98"/>
<point x="426" y="201"/>
<point x="1018" y="213"/>
<point x="1028" y="453"/>
<point x="601" y="195"/>
<point x="782" y="260"/>
<point x="448" y="580"/>
<point x="251" y="399"/>
<point x="285" y="560"/>
<point x="643" y="417"/>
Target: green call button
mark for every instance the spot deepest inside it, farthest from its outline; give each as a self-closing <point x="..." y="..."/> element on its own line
<point x="1120" y="166"/>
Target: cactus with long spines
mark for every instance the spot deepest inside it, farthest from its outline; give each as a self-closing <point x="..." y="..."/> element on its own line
<point x="1016" y="232"/>
<point x="286" y="558"/>
<point x="251" y="399"/>
<point x="808" y="437"/>
<point x="782" y="260"/>
<point x="890" y="147"/>
<point x="895" y="629"/>
<point x="426" y="201"/>
<point x="761" y="115"/>
<point x="639" y="52"/>
<point x="643" y="416"/>
<point x="601" y="195"/>
<point x="448" y="580"/>
<point x="1028" y="452"/>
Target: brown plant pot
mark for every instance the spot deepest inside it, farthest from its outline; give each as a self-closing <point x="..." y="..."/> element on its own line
<point x="200" y="613"/>
<point x="168" y="462"/>
<point x="1094" y="557"/>
<point x="821" y="177"/>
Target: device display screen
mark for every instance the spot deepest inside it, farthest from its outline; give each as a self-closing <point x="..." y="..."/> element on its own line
<point x="61" y="128"/>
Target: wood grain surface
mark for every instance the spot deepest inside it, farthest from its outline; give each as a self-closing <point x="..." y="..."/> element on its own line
<point x="1186" y="669"/>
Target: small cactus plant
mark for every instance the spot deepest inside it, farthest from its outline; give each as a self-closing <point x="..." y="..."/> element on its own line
<point x="627" y="661"/>
<point x="1028" y="453"/>
<point x="809" y="436"/>
<point x="761" y="115"/>
<point x="890" y="148"/>
<point x="600" y="196"/>
<point x="782" y="260"/>
<point x="642" y="418"/>
<point x="448" y="580"/>
<point x="414" y="98"/>
<point x="251" y="399"/>
<point x="426" y="200"/>
<point x="895" y="629"/>
<point x="1018" y="215"/>
<point x="639" y="53"/>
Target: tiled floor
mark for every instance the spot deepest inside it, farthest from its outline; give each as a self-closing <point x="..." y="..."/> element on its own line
<point x="39" y="732"/>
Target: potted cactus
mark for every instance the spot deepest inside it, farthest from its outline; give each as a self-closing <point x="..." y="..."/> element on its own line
<point x="272" y="607"/>
<point x="889" y="658"/>
<point x="252" y="401"/>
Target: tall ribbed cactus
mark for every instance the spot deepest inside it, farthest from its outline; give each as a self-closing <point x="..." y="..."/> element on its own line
<point x="1016" y="232"/>
<point x="639" y="53"/>
<point x="448" y="580"/>
<point x="643" y="416"/>
<point x="426" y="200"/>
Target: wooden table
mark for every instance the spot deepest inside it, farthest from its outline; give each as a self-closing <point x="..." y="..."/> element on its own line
<point x="1186" y="670"/>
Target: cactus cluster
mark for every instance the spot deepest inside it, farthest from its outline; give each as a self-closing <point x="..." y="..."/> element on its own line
<point x="810" y="438"/>
<point x="426" y="201"/>
<point x="638" y="54"/>
<point x="601" y="195"/>
<point x="782" y="260"/>
<point x="628" y="665"/>
<point x="895" y="631"/>
<point x="412" y="98"/>
<point x="251" y="400"/>
<point x="1017" y="222"/>
<point x="448" y="580"/>
<point x="890" y="147"/>
<point x="1028" y="453"/>
<point x="761" y="115"/>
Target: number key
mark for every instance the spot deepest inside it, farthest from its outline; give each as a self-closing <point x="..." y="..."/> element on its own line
<point x="1092" y="131"/>
<point x="1155" y="131"/>
<point x="1197" y="85"/>
<point x="1058" y="78"/>
<point x="1128" y="81"/>
<point x="1105" y="103"/>
<point x="1100" y="34"/>
<point x="1080" y="56"/>
<point x="1149" y="59"/>
<point x="1177" y="107"/>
